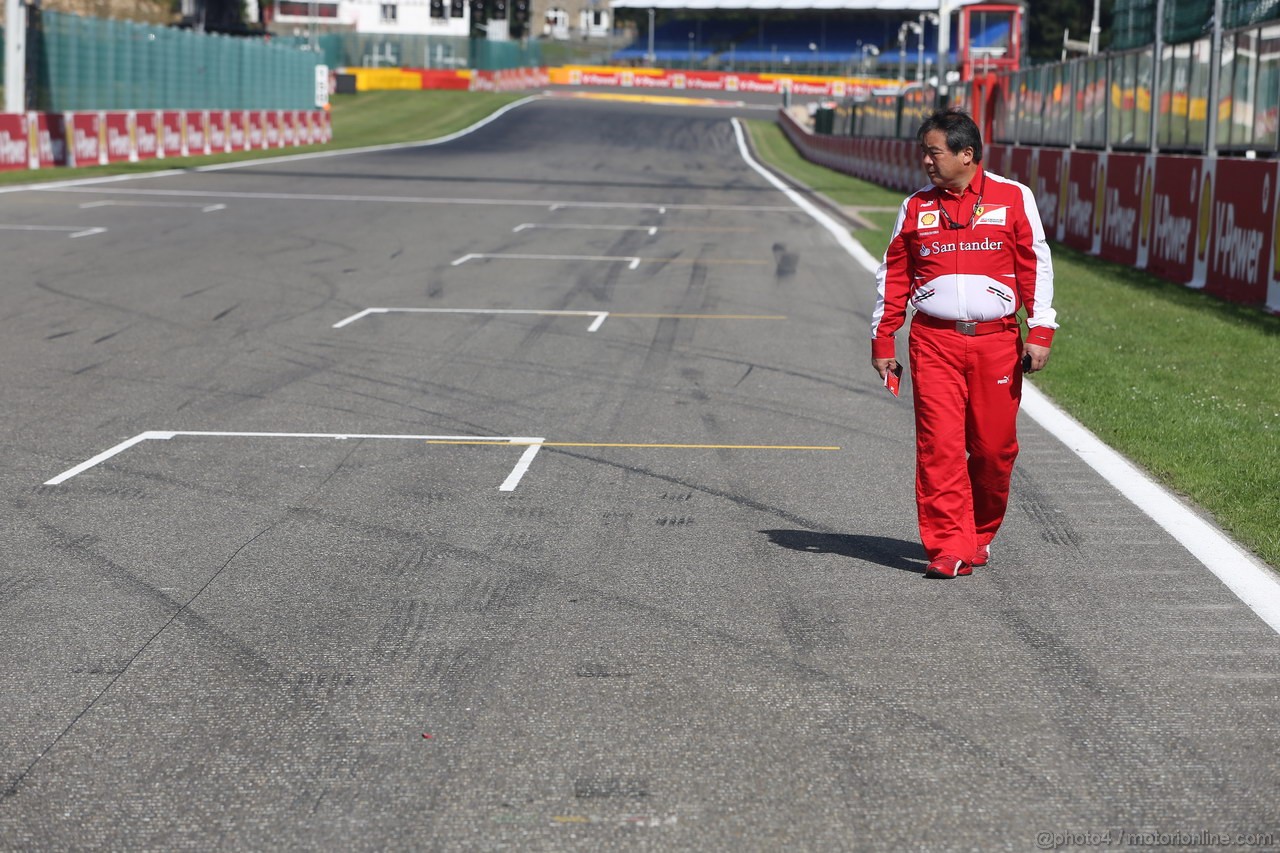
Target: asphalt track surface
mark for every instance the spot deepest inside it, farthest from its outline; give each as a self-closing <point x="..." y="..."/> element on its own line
<point x="582" y="633"/>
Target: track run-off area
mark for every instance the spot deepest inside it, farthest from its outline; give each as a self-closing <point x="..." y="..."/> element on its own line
<point x="532" y="490"/>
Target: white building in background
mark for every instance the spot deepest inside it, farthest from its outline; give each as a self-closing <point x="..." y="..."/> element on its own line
<point x="399" y="17"/>
<point x="594" y="20"/>
<point x="555" y="19"/>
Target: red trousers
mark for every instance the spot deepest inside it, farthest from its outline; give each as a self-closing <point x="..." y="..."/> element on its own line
<point x="966" y="390"/>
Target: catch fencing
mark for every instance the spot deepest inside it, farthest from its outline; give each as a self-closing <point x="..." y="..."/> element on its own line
<point x="85" y="63"/>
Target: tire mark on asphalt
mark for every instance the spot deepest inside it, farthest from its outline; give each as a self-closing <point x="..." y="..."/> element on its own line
<point x="183" y="614"/>
<point x="111" y="306"/>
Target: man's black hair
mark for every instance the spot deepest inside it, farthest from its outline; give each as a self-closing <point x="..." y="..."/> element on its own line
<point x="961" y="130"/>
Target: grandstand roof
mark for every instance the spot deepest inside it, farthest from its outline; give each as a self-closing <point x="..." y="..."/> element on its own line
<point x="792" y="5"/>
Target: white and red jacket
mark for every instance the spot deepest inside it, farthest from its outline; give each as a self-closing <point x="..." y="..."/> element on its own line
<point x="995" y="264"/>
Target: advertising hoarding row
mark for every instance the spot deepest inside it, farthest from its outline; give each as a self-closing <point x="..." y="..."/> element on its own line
<point x="713" y="81"/>
<point x="46" y="140"/>
<point x="1208" y="223"/>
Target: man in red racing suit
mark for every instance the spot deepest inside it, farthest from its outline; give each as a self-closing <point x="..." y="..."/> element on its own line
<point x="967" y="253"/>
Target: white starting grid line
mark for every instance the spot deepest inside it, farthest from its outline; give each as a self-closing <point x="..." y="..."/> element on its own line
<point x="394" y="199"/>
<point x="597" y="322"/>
<point x="599" y="316"/>
<point x="631" y="261"/>
<point x="527" y="226"/>
<point x="531" y="444"/>
<point x="203" y="208"/>
<point x="76" y="230"/>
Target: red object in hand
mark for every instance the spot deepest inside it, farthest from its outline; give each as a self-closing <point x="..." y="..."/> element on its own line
<point x="893" y="380"/>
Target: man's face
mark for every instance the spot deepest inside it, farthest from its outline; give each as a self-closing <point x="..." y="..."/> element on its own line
<point x="945" y="168"/>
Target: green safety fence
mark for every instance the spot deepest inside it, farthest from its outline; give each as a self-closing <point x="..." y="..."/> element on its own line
<point x="1133" y="24"/>
<point x="374" y="50"/>
<point x="99" y="64"/>
<point x="489" y="55"/>
<point x="1134" y="21"/>
<point x="1242" y="13"/>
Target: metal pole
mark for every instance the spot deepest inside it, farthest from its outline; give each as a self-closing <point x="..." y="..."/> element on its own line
<point x="944" y="47"/>
<point x="902" y="54"/>
<point x="1157" y="48"/>
<point x="920" y="54"/>
<point x="15" y="56"/>
<point x="313" y="14"/>
<point x="652" y="57"/>
<point x="1215" y="80"/>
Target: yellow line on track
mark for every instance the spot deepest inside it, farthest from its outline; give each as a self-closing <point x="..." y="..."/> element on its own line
<point x="492" y="443"/>
<point x="701" y="261"/>
<point x="701" y="316"/>
<point x="647" y="99"/>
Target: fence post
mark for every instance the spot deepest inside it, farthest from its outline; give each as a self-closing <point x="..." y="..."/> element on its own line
<point x="1215" y="80"/>
<point x="15" y="56"/>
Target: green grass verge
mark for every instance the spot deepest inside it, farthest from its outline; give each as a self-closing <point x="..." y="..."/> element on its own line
<point x="369" y="118"/>
<point x="1181" y="383"/>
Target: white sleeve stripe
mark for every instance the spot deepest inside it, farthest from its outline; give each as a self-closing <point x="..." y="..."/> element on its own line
<point x="1042" y="295"/>
<point x="882" y="272"/>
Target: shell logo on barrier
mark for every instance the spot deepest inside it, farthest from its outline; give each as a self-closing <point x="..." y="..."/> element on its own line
<point x="1206" y="212"/>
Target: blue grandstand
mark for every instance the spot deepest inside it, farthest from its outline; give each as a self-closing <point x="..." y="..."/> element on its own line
<point x="817" y="42"/>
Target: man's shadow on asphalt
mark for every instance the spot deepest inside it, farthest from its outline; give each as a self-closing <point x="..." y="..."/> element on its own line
<point x="891" y="553"/>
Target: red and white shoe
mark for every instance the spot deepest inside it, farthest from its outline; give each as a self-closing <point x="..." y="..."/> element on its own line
<point x="983" y="556"/>
<point x="947" y="566"/>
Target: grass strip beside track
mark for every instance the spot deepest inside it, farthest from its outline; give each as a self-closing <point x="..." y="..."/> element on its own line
<point x="1183" y="384"/>
<point x="368" y="118"/>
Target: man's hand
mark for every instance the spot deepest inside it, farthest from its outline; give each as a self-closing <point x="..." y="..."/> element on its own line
<point x="1039" y="357"/>
<point x="884" y="365"/>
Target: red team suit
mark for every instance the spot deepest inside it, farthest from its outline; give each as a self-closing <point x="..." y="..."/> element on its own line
<point x="965" y="283"/>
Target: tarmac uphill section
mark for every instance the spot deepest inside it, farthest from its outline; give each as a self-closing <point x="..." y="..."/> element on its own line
<point x="533" y="489"/>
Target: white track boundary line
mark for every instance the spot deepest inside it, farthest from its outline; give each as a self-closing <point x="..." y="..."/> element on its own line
<point x="75" y="230"/>
<point x="1252" y="581"/>
<point x="599" y="316"/>
<point x="534" y="444"/>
